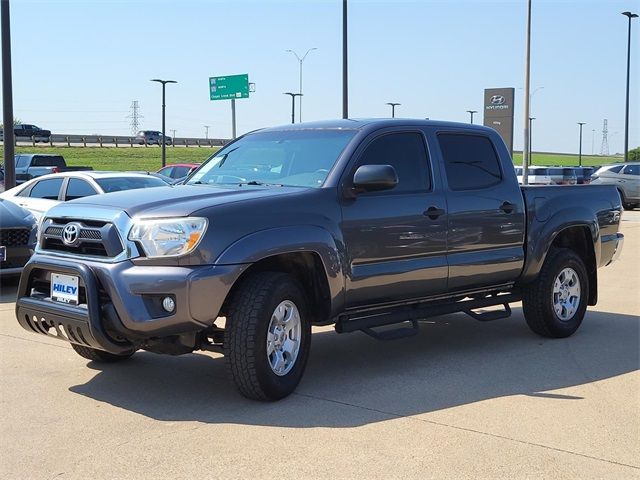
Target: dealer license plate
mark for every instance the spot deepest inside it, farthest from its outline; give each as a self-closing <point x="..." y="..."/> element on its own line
<point x="64" y="288"/>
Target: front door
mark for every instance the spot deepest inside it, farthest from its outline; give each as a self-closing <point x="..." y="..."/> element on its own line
<point x="395" y="251"/>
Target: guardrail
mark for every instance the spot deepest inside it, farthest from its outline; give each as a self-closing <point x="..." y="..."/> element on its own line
<point x="69" y="140"/>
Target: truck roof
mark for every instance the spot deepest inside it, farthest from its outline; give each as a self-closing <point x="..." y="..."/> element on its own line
<point x="363" y="123"/>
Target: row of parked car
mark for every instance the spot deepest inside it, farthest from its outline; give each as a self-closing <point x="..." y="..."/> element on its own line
<point x="44" y="181"/>
<point x="625" y="176"/>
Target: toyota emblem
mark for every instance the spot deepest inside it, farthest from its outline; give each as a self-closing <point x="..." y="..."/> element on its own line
<point x="71" y="234"/>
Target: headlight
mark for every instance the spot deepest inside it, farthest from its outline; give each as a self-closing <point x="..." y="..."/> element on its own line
<point x="168" y="237"/>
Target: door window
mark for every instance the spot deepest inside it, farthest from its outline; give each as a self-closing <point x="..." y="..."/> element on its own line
<point x="407" y="154"/>
<point x="47" y="189"/>
<point x="22" y="161"/>
<point x="631" y="170"/>
<point x="77" y="188"/>
<point x="470" y="161"/>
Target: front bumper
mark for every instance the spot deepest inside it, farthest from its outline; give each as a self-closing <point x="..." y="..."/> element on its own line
<point x="120" y="303"/>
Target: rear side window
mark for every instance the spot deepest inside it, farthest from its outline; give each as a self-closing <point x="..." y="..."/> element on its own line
<point x="616" y="169"/>
<point x="179" y="172"/>
<point x="470" y="161"/>
<point x="632" y="170"/>
<point x="538" y="171"/>
<point x="47" y="189"/>
<point x="40" y="161"/>
<point x="77" y="188"/>
<point x="22" y="161"/>
<point x="406" y="153"/>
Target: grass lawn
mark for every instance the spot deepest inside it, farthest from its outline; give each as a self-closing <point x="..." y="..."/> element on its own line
<point x="565" y="160"/>
<point x="149" y="158"/>
<point x="123" y="158"/>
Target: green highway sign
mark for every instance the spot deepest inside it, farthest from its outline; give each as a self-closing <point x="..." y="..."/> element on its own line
<point x="229" y="87"/>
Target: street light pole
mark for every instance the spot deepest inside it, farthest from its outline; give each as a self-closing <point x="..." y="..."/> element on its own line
<point x="293" y="104"/>
<point x="626" y="114"/>
<point x="393" y="108"/>
<point x="301" y="59"/>
<point x="471" y="112"/>
<point x="345" y="63"/>
<point x="593" y="141"/>
<point x="531" y="119"/>
<point x="7" y="100"/>
<point x="164" y="142"/>
<point x="580" y="149"/>
<point x="527" y="99"/>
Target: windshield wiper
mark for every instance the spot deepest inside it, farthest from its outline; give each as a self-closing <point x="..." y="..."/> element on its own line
<point x="258" y="182"/>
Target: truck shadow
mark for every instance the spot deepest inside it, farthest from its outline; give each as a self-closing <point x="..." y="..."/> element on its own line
<point x="9" y="288"/>
<point x="352" y="380"/>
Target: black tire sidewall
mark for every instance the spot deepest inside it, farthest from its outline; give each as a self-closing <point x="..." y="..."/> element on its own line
<point x="275" y="386"/>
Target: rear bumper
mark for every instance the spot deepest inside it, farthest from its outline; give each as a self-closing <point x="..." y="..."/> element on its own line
<point x="120" y="304"/>
<point x="611" y="248"/>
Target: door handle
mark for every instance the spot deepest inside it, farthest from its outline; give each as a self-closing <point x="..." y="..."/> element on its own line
<point x="433" y="212"/>
<point x="507" y="207"/>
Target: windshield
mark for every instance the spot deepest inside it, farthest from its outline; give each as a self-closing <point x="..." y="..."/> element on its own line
<point x="301" y="158"/>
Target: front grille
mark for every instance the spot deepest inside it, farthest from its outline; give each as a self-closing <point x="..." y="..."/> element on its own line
<point x="14" y="237"/>
<point x="95" y="238"/>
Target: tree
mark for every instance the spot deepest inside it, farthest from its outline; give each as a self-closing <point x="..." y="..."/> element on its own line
<point x="634" y="155"/>
<point x="16" y="121"/>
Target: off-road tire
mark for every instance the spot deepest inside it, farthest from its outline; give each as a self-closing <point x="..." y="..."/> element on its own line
<point x="99" y="355"/>
<point x="249" y="312"/>
<point x="537" y="301"/>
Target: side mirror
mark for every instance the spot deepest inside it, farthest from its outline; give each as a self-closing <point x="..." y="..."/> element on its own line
<point x="371" y="178"/>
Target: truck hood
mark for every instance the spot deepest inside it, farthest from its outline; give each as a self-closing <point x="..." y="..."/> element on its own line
<point x="177" y="201"/>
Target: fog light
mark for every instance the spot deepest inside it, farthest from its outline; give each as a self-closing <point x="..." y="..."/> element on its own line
<point x="168" y="304"/>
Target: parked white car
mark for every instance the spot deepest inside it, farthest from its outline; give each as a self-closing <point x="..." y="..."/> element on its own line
<point x="40" y="194"/>
<point x="626" y="178"/>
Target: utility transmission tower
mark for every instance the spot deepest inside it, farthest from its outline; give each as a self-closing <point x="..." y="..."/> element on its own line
<point x="604" y="149"/>
<point x="135" y="117"/>
<point x="206" y="131"/>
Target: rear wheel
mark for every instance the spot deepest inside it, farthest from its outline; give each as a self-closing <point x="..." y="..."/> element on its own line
<point x="99" y="355"/>
<point x="555" y="303"/>
<point x="267" y="336"/>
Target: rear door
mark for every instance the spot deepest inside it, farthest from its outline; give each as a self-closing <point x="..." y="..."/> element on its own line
<point x="630" y="182"/>
<point x="486" y="219"/>
<point x="394" y="250"/>
<point x="40" y="197"/>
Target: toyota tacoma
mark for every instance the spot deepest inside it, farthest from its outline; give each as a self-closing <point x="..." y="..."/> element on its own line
<point x="368" y="225"/>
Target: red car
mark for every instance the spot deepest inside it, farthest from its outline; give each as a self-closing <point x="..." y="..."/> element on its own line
<point x="178" y="170"/>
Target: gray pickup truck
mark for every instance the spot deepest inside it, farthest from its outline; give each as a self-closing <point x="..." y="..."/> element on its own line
<point x="32" y="165"/>
<point x="369" y="225"/>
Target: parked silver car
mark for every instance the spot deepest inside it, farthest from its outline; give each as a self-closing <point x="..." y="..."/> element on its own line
<point x="626" y="177"/>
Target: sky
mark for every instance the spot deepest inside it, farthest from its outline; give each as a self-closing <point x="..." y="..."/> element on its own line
<point x="79" y="64"/>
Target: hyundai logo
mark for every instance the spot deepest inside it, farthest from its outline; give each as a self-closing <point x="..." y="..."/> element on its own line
<point x="71" y="234"/>
<point x="497" y="100"/>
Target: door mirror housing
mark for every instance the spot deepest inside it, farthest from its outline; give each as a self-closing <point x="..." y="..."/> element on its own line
<point x="373" y="178"/>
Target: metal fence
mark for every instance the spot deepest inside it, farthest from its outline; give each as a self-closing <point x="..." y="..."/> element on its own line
<point x="114" y="141"/>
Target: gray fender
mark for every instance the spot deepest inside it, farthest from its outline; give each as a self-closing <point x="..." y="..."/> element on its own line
<point x="543" y="231"/>
<point x="275" y="241"/>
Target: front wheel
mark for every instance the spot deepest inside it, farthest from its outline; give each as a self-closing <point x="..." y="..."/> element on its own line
<point x="555" y="303"/>
<point x="267" y="336"/>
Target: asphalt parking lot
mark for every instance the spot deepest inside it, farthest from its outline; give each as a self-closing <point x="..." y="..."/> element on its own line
<point x="461" y="400"/>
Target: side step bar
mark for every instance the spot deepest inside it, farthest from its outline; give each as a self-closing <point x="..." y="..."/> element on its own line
<point x="369" y="320"/>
